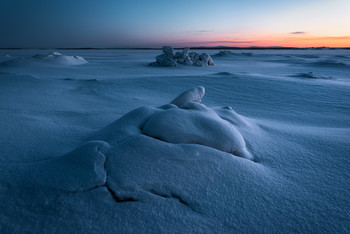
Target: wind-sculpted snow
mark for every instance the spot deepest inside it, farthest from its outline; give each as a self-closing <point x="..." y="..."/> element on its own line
<point x="193" y="95"/>
<point x="195" y="123"/>
<point x="186" y="127"/>
<point x="53" y="58"/>
<point x="77" y="157"/>
<point x="81" y="169"/>
<point x="184" y="121"/>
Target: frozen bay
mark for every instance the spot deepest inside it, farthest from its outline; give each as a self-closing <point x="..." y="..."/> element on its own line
<point x="67" y="164"/>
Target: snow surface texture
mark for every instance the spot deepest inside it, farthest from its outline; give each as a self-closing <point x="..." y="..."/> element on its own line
<point x="53" y="58"/>
<point x="72" y="161"/>
<point x="168" y="59"/>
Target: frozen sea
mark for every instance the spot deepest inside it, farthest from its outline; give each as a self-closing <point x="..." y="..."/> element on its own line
<point x="88" y="144"/>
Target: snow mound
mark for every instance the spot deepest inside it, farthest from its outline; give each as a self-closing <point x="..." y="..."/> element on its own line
<point x="184" y="121"/>
<point x="194" y="123"/>
<point x="58" y="58"/>
<point x="169" y="59"/>
<point x="144" y="139"/>
<point x="53" y="58"/>
<point x="224" y="53"/>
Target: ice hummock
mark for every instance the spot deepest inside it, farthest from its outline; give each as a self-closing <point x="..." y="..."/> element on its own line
<point x="169" y="59"/>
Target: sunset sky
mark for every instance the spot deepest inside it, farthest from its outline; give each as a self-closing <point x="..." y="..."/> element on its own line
<point x="153" y="23"/>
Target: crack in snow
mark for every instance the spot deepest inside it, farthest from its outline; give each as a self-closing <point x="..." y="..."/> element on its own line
<point x="109" y="189"/>
<point x="174" y="196"/>
<point x="105" y="184"/>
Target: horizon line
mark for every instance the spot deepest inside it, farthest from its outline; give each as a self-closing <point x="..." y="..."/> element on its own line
<point x="176" y="48"/>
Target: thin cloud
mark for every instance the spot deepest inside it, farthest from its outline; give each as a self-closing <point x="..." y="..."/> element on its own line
<point x="200" y="32"/>
<point x="230" y="42"/>
<point x="298" y="33"/>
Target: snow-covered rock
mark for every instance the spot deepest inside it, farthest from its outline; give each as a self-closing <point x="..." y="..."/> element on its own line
<point x="188" y="61"/>
<point x="207" y="60"/>
<point x="168" y="59"/>
<point x="168" y="50"/>
<point x="186" y="49"/>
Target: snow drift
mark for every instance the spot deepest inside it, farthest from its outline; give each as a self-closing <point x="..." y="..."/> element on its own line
<point x="53" y="58"/>
<point x="185" y="125"/>
<point x="309" y="75"/>
<point x="224" y="53"/>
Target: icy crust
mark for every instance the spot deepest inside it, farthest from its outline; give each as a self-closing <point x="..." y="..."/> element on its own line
<point x="54" y="58"/>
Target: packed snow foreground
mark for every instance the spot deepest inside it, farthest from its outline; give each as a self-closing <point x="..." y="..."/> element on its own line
<point x="169" y="59"/>
<point x="122" y="157"/>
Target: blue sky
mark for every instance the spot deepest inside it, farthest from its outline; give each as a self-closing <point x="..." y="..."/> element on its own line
<point x="133" y="23"/>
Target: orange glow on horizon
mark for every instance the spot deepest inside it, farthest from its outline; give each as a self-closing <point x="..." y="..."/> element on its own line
<point x="308" y="42"/>
<point x="283" y="41"/>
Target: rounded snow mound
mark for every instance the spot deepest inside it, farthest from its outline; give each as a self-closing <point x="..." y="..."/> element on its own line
<point x="194" y="123"/>
<point x="184" y="121"/>
<point x="54" y="58"/>
<point x="58" y="58"/>
<point x="150" y="154"/>
<point x="224" y="53"/>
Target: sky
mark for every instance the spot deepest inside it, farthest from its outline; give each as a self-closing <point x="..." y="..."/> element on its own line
<point x="153" y="23"/>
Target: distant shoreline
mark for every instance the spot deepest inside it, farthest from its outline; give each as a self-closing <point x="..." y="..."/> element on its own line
<point x="192" y="48"/>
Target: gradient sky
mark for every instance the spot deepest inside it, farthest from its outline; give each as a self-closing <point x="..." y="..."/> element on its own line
<point x="153" y="23"/>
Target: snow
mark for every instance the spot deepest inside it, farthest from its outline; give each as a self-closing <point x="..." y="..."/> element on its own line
<point x="168" y="59"/>
<point x="192" y="95"/>
<point x="115" y="145"/>
<point x="53" y="58"/>
<point x="195" y="123"/>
